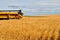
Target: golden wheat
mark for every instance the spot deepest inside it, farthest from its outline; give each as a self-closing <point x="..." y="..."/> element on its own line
<point x="30" y="28"/>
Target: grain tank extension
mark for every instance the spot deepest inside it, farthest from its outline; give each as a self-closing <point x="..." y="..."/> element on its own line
<point x="11" y="14"/>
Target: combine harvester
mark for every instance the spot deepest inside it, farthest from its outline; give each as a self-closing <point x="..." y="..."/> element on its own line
<point x="11" y="14"/>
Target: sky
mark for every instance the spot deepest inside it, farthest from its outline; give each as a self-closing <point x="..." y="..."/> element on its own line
<point x="32" y="7"/>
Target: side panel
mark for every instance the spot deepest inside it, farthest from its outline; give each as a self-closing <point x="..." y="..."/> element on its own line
<point x="13" y="15"/>
<point x="3" y="16"/>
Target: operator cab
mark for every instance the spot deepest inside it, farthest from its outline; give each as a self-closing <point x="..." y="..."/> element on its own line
<point x="20" y="12"/>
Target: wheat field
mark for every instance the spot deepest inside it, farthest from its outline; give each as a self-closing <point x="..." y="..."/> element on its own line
<point x="31" y="28"/>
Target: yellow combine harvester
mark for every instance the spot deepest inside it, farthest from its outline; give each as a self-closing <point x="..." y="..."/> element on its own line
<point x="11" y="14"/>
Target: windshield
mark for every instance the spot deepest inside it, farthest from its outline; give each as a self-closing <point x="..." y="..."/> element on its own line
<point x="32" y="7"/>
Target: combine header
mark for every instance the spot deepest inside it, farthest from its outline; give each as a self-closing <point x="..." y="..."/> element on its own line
<point x="11" y="14"/>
